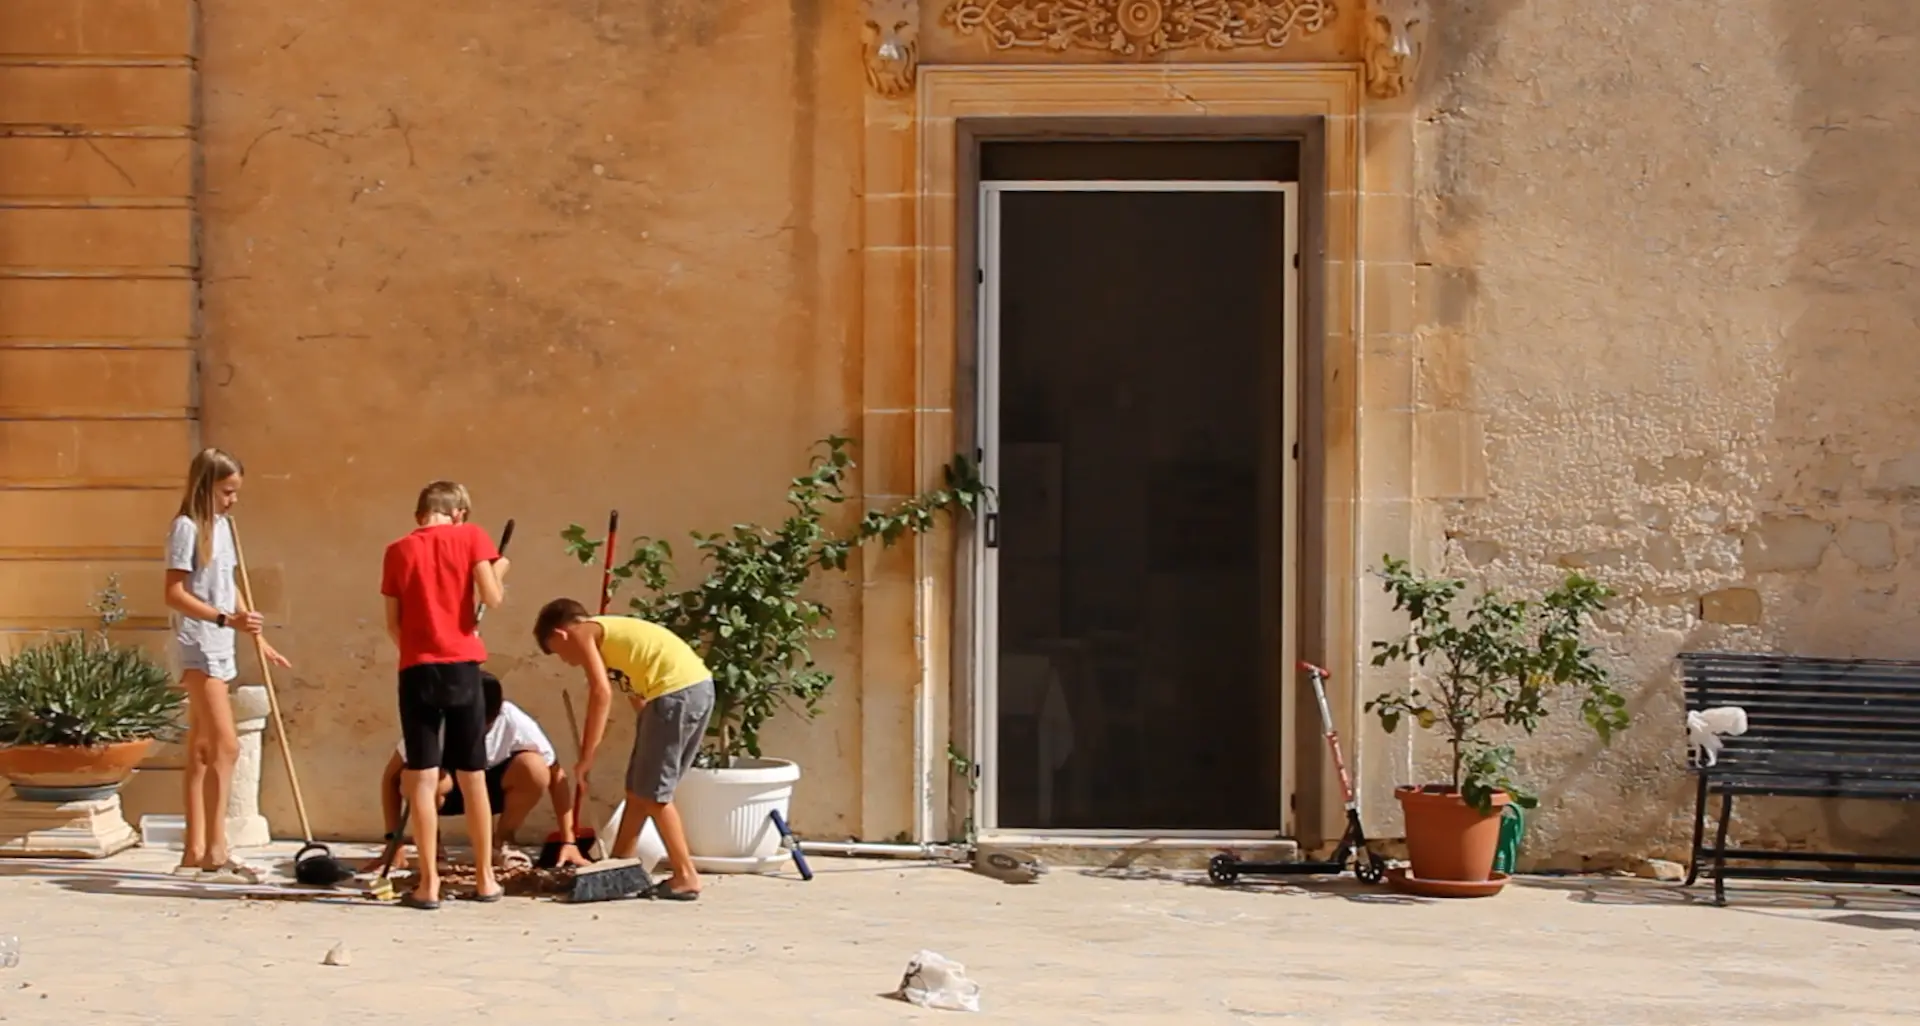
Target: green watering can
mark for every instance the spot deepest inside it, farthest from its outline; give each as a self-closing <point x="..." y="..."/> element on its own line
<point x="1513" y="823"/>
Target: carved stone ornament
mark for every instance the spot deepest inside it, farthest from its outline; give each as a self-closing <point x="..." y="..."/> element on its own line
<point x="1138" y="28"/>
<point x="890" y="45"/>
<point x="1396" y="33"/>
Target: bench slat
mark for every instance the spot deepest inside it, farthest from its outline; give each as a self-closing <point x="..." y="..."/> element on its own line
<point x="1825" y="725"/>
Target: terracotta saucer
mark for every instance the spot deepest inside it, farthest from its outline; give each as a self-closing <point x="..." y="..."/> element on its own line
<point x="1401" y="879"/>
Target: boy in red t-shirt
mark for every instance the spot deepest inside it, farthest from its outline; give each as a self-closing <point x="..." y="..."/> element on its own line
<point x="430" y="579"/>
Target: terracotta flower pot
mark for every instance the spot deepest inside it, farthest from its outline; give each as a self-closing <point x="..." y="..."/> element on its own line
<point x="61" y="772"/>
<point x="1447" y="839"/>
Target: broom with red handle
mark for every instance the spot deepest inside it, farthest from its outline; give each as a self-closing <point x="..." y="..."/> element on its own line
<point x="584" y="835"/>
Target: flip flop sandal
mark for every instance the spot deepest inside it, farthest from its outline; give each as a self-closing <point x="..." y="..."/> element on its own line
<point x="234" y="872"/>
<point x="410" y="900"/>
<point x="187" y="871"/>
<point x="662" y="891"/>
<point x="487" y="899"/>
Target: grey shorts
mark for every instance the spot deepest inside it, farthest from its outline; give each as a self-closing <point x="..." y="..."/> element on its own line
<point x="667" y="739"/>
<point x="217" y="665"/>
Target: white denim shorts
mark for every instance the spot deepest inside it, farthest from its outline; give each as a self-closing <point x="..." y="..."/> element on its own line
<point x="218" y="665"/>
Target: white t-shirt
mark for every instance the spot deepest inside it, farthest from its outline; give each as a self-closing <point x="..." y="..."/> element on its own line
<point x="211" y="583"/>
<point x="512" y="733"/>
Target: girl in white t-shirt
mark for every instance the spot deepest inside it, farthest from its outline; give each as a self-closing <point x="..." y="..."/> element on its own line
<point x="201" y="559"/>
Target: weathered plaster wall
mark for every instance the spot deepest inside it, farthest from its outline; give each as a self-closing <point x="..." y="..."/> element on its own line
<point x="1667" y="276"/>
<point x="576" y="255"/>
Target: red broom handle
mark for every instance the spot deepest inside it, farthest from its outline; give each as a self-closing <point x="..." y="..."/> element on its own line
<point x="606" y="576"/>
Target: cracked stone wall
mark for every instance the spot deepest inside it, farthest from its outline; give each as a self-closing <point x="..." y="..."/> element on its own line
<point x="1668" y="272"/>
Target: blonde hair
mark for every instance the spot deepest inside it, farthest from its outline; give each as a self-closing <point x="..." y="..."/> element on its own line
<point x="209" y="468"/>
<point x="448" y="498"/>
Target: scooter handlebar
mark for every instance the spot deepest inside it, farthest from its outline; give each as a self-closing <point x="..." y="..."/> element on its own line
<point x="1315" y="670"/>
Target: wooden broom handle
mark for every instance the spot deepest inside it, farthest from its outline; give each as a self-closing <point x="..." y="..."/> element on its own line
<point x="266" y="674"/>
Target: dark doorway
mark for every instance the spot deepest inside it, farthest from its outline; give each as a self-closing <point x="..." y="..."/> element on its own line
<point x="1136" y="360"/>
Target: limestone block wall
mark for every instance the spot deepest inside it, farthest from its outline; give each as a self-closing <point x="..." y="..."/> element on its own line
<point x="577" y="256"/>
<point x="1667" y="304"/>
<point x="98" y="303"/>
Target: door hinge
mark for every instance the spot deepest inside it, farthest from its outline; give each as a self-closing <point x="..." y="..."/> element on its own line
<point x="1293" y="803"/>
<point x="1296" y="450"/>
<point x="980" y="276"/>
<point x="1296" y="260"/>
<point x="993" y="530"/>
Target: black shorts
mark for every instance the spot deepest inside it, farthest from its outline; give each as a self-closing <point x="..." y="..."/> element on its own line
<point x="455" y="804"/>
<point x="443" y="717"/>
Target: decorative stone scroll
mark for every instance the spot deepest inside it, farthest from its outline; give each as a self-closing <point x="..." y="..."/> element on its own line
<point x="1396" y="32"/>
<point x="890" y="45"/>
<point x="1139" y="28"/>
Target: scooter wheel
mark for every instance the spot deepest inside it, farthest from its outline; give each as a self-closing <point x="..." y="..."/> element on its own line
<point x="1369" y="868"/>
<point x="1223" y="869"/>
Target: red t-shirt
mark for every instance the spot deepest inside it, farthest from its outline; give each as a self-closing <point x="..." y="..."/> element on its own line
<point x="431" y="572"/>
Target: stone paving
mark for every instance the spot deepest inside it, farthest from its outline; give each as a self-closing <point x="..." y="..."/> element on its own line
<point x="117" y="942"/>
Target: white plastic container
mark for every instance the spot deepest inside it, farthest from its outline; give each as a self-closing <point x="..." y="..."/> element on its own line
<point x="651" y="852"/>
<point x="163" y="831"/>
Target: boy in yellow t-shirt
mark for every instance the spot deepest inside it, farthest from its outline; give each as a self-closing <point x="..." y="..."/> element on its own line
<point x="671" y="689"/>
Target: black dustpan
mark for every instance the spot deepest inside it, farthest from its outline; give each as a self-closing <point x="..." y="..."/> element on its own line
<point x="315" y="866"/>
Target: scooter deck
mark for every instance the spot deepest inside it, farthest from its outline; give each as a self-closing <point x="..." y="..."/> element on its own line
<point x="1289" y="868"/>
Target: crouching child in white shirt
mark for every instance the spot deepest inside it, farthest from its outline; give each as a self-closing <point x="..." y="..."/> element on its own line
<point x="521" y="765"/>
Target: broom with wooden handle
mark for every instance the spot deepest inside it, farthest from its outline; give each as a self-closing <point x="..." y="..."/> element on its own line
<point x="315" y="863"/>
<point x="612" y="878"/>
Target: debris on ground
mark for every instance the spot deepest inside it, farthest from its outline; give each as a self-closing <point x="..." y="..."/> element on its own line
<point x="1661" y="869"/>
<point x="517" y="881"/>
<point x="1009" y="866"/>
<point x="339" y="954"/>
<point x="935" y="981"/>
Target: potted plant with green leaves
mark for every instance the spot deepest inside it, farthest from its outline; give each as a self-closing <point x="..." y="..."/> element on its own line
<point x="79" y="712"/>
<point x="1483" y="674"/>
<point x="754" y="621"/>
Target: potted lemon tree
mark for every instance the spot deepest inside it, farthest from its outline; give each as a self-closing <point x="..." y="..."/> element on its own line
<point x="1486" y="672"/>
<point x="754" y="623"/>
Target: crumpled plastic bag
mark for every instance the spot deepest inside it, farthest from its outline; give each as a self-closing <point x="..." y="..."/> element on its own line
<point x="935" y="981"/>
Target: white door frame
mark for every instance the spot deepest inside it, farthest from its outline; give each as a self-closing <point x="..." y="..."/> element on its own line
<point x="986" y="647"/>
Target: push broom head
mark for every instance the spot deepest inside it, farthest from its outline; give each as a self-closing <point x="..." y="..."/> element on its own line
<point x="610" y="880"/>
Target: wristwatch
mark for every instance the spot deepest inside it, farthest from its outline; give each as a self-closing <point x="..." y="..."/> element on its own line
<point x="220" y="621"/>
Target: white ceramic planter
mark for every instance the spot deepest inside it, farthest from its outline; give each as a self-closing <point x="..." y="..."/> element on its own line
<point x="728" y="814"/>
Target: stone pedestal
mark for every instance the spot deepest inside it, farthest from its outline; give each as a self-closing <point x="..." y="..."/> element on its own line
<point x="85" y="830"/>
<point x="246" y="827"/>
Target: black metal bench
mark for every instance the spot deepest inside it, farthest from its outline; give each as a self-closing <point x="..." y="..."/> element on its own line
<point x="1816" y="728"/>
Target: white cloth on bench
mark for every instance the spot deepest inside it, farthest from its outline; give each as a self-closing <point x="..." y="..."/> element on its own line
<point x="1706" y="727"/>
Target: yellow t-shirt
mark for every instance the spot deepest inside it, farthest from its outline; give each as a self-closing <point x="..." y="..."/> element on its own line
<point x="647" y="659"/>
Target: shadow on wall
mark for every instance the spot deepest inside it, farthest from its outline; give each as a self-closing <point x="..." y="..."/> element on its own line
<point x="1835" y="546"/>
<point x="1834" y="550"/>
